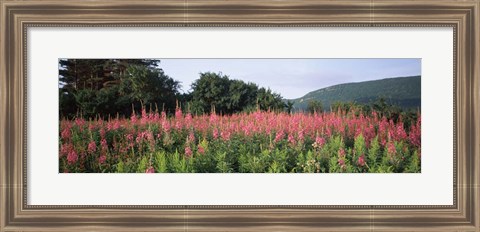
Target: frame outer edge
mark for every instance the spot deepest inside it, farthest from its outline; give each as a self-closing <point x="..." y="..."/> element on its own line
<point x="4" y="106"/>
<point x="3" y="110"/>
<point x="9" y="98"/>
<point x="20" y="112"/>
<point x="476" y="102"/>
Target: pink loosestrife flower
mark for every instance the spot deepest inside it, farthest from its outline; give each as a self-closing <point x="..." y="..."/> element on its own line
<point x="291" y="139"/>
<point x="191" y="137"/>
<point x="91" y="127"/>
<point x="92" y="147"/>
<point x="319" y="142"/>
<point x="400" y="133"/>
<point x="80" y="122"/>
<point x="148" y="135"/>
<point x="150" y="170"/>
<point x="156" y="117"/>
<point x="200" y="149"/>
<point x="188" y="119"/>
<point x="104" y="145"/>
<point x="102" y="132"/>
<point x="328" y="132"/>
<point x="116" y="124"/>
<point x="225" y="135"/>
<point x="133" y="118"/>
<point x="178" y="113"/>
<point x="415" y="133"/>
<point x="361" y="161"/>
<point x="102" y="159"/>
<point x="179" y="124"/>
<point x="72" y="157"/>
<point x="188" y="151"/>
<point x="144" y="118"/>
<point x="391" y="148"/>
<point x="166" y="126"/>
<point x="130" y="140"/>
<point x="213" y="119"/>
<point x="279" y="136"/>
<point x="81" y="125"/>
<point x="65" y="149"/>
<point x="66" y="133"/>
<point x="341" y="162"/>
<point x="300" y="136"/>
<point x="178" y="118"/>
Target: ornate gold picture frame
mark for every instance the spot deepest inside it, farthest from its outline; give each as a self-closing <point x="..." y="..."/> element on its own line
<point x="17" y="16"/>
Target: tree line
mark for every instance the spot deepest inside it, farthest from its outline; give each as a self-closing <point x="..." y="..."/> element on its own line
<point x="92" y="88"/>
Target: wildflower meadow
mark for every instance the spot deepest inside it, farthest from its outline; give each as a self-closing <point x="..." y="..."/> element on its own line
<point x="255" y="142"/>
<point x="270" y="116"/>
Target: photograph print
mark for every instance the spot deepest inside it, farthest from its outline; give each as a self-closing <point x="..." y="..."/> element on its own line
<point x="239" y="115"/>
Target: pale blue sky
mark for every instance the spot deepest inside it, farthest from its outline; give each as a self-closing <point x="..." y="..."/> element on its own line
<point x="292" y="78"/>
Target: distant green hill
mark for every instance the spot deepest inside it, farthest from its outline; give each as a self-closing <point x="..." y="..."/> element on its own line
<point x="402" y="91"/>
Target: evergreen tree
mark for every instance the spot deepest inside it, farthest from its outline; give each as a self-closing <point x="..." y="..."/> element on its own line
<point x="92" y="87"/>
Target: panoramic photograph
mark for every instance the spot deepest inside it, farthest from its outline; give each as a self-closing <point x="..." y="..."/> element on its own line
<point x="239" y="115"/>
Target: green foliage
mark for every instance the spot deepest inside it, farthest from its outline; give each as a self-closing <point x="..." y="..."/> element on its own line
<point x="359" y="153"/>
<point x="359" y="147"/>
<point x="383" y="168"/>
<point x="373" y="152"/>
<point x="178" y="163"/>
<point x="120" y="167"/>
<point x="106" y="87"/>
<point x="129" y="166"/>
<point x="222" y="164"/>
<point x="211" y="90"/>
<point x="289" y="106"/>
<point x="86" y="101"/>
<point x="206" y="162"/>
<point x="330" y="156"/>
<point x="149" y="86"/>
<point x="216" y="92"/>
<point x="67" y="104"/>
<point x="274" y="168"/>
<point x="160" y="162"/>
<point x="251" y="163"/>
<point x="279" y="161"/>
<point x="333" y="165"/>
<point x="314" y="106"/>
<point x="308" y="162"/>
<point x="269" y="100"/>
<point x="414" y="164"/>
<point x="383" y="109"/>
<point x="142" y="165"/>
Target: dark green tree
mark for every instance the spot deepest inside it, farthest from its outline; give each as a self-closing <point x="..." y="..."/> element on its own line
<point x="211" y="91"/>
<point x="226" y="96"/>
<point x="102" y="87"/>
<point x="314" y="106"/>
<point x="146" y="87"/>
<point x="268" y="100"/>
<point x="289" y="106"/>
<point x="241" y="95"/>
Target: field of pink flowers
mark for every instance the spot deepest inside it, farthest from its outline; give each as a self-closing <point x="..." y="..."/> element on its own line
<point x="258" y="142"/>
